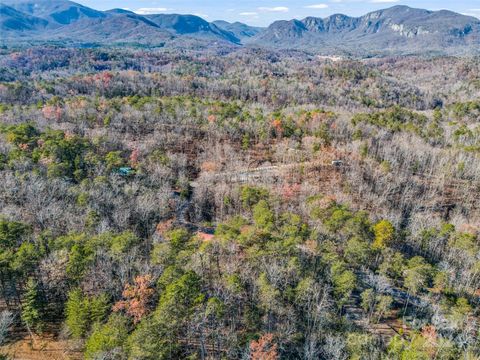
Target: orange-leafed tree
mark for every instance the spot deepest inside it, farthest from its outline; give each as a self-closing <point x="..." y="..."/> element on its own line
<point x="134" y="157"/>
<point x="277" y="125"/>
<point x="137" y="298"/>
<point x="264" y="348"/>
<point x="52" y="112"/>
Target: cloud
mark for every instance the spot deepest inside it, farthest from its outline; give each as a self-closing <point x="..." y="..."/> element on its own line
<point x="383" y="1"/>
<point x="316" y="6"/>
<point x="473" y="12"/>
<point x="147" y="11"/>
<point x="274" y="9"/>
<point x="248" y="13"/>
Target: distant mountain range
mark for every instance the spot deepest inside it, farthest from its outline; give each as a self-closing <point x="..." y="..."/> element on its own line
<point x="399" y="29"/>
<point x="396" y="30"/>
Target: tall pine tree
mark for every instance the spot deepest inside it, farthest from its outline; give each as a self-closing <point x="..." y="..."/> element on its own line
<point x="32" y="307"/>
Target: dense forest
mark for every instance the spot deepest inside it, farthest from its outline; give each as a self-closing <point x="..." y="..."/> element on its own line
<point x="246" y="204"/>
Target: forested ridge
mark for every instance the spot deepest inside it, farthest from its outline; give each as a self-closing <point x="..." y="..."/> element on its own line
<point x="394" y="31"/>
<point x="246" y="204"/>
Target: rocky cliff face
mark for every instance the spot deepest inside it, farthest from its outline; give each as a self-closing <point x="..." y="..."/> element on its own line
<point x="393" y="31"/>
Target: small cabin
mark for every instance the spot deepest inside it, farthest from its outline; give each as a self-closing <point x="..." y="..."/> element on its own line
<point x="337" y="163"/>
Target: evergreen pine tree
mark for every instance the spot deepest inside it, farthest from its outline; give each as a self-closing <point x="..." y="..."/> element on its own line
<point x="32" y="307"/>
<point x="77" y="313"/>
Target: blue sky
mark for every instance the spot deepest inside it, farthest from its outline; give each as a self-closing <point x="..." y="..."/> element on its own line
<point x="263" y="12"/>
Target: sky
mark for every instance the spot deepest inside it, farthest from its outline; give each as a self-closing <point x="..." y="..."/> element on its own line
<point x="264" y="12"/>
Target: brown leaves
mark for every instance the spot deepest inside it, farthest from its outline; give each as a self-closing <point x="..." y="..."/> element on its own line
<point x="290" y="191"/>
<point x="209" y="166"/>
<point x="134" y="157"/>
<point x="164" y="226"/>
<point x="137" y="298"/>
<point x="429" y="332"/>
<point x="264" y="348"/>
<point x="52" y="112"/>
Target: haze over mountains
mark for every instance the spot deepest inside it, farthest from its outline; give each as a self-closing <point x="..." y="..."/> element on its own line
<point x="397" y="30"/>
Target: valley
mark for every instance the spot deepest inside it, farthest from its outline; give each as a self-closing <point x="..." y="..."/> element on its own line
<point x="175" y="188"/>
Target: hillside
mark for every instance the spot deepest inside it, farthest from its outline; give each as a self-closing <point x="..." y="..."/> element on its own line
<point x="399" y="30"/>
<point x="250" y="204"/>
<point x="64" y="20"/>
<point x="13" y="20"/>
<point x="56" y="12"/>
<point x="240" y="30"/>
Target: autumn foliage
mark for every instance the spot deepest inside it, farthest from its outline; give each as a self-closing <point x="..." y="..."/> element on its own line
<point x="264" y="348"/>
<point x="51" y="112"/>
<point x="137" y="298"/>
<point x="134" y="157"/>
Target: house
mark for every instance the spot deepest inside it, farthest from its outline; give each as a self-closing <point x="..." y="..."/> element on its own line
<point x="126" y="171"/>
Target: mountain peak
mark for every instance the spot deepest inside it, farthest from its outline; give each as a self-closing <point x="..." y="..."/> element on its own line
<point x="401" y="8"/>
<point x="119" y="11"/>
<point x="399" y="29"/>
<point x="56" y="12"/>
